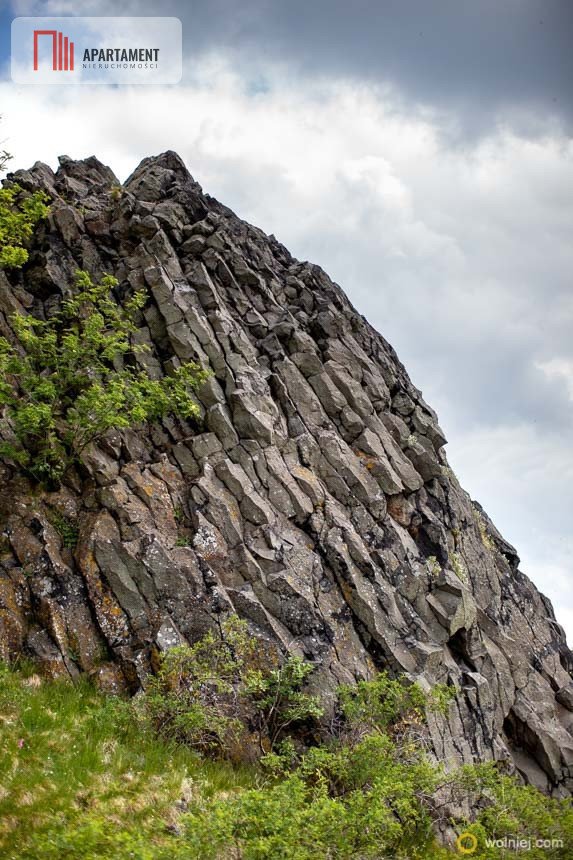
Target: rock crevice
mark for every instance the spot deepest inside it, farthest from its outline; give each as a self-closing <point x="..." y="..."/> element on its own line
<point x="312" y="496"/>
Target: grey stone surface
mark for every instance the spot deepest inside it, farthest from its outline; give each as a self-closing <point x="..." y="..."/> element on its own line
<point x="312" y="497"/>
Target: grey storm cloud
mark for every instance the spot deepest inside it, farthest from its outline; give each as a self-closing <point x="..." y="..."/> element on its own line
<point x="478" y="58"/>
<point x="480" y="61"/>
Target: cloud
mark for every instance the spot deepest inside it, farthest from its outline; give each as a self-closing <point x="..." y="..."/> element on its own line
<point x="477" y="63"/>
<point x="524" y="476"/>
<point x="458" y="255"/>
<point x="561" y="369"/>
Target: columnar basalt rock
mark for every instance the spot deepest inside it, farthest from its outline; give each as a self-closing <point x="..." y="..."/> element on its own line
<point x="313" y="497"/>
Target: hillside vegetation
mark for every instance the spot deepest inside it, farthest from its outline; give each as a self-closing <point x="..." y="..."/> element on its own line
<point x="164" y="775"/>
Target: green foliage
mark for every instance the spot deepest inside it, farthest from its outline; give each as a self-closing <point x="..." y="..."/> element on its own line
<point x="458" y="566"/>
<point x="441" y="697"/>
<point x="70" y="379"/>
<point x="391" y="705"/>
<point x="4" y="159"/>
<point x="356" y="797"/>
<point x="194" y="696"/>
<point x="279" y="700"/>
<point x="298" y="819"/>
<point x="372" y="706"/>
<point x="433" y="566"/>
<point x="486" y="538"/>
<point x="85" y="777"/>
<point x="511" y="812"/>
<point x="19" y="214"/>
<point x="208" y="694"/>
<point x="66" y="528"/>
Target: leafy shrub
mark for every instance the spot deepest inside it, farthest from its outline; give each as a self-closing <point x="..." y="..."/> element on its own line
<point x="19" y="214"/>
<point x="441" y="697"/>
<point x="84" y="776"/>
<point x="193" y="697"/>
<point x="433" y="566"/>
<point x="278" y="699"/>
<point x="458" y="566"/>
<point x="69" y="380"/>
<point x="375" y="706"/>
<point x="216" y="693"/>
<point x="390" y="706"/>
<point x="345" y="801"/>
<point x="508" y="810"/>
<point x="485" y="536"/>
<point x="4" y="159"/>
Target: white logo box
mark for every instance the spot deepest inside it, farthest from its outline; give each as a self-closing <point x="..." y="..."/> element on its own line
<point x="112" y="51"/>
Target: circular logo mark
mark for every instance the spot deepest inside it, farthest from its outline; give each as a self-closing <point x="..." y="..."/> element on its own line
<point x="466" y="843"/>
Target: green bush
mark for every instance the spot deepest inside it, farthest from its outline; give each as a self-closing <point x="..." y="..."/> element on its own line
<point x="66" y="528"/>
<point x="222" y="691"/>
<point x="85" y="776"/>
<point x="4" y="159"/>
<point x="384" y="702"/>
<point x="345" y="802"/>
<point x="70" y="379"/>
<point x="371" y="706"/>
<point x="278" y="699"/>
<point x="507" y="812"/>
<point x="19" y="214"/>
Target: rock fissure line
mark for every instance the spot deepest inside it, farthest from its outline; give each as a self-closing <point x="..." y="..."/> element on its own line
<point x="313" y="496"/>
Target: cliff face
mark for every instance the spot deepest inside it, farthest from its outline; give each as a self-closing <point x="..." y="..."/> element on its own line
<point x="313" y="498"/>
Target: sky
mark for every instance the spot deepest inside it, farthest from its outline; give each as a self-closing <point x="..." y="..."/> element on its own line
<point x="421" y="152"/>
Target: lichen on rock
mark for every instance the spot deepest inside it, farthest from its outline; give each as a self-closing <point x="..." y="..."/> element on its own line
<point x="312" y="497"/>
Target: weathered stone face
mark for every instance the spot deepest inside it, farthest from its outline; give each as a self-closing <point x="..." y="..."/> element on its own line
<point x="313" y="497"/>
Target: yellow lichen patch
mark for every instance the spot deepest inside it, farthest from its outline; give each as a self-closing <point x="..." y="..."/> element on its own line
<point x="484" y="534"/>
<point x="366" y="459"/>
<point x="89" y="564"/>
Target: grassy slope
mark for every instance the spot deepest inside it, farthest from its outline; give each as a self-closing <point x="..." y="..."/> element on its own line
<point x="79" y="779"/>
<point x="82" y="778"/>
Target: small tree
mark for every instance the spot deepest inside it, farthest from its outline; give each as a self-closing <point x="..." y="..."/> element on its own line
<point x="19" y="214"/>
<point x="69" y="380"/>
<point x="4" y="159"/>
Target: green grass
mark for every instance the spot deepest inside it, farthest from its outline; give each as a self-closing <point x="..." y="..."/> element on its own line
<point x="84" y="777"/>
<point x="80" y="777"/>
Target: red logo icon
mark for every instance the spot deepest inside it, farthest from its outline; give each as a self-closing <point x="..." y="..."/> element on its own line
<point x="62" y="51"/>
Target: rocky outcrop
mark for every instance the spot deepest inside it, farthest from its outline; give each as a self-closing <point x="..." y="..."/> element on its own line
<point x="313" y="497"/>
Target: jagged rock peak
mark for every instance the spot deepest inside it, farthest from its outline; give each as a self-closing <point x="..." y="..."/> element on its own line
<point x="313" y="497"/>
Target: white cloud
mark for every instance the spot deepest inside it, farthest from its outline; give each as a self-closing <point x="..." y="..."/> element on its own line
<point x="459" y="256"/>
<point x="559" y="368"/>
<point x="524" y="478"/>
